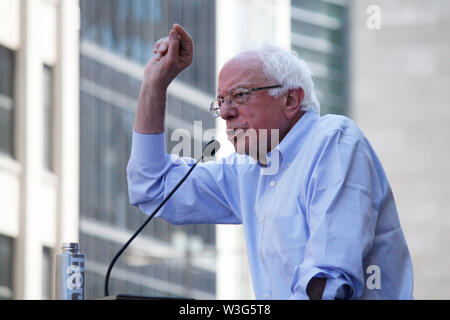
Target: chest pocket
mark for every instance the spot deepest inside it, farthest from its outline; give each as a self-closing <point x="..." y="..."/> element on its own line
<point x="289" y="241"/>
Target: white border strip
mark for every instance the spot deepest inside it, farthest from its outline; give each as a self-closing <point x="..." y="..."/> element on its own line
<point x="177" y="88"/>
<point x="147" y="281"/>
<point x="127" y="104"/>
<point x="152" y="247"/>
<point x="315" y="18"/>
<point x="311" y="43"/>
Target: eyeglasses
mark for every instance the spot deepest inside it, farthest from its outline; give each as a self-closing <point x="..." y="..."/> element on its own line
<point x="236" y="98"/>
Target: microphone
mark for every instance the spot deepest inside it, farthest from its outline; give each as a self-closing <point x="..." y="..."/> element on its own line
<point x="211" y="147"/>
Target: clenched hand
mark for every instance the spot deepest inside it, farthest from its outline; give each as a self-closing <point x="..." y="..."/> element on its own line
<point x="173" y="54"/>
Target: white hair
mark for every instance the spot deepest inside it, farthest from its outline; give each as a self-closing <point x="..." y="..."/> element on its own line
<point x="290" y="71"/>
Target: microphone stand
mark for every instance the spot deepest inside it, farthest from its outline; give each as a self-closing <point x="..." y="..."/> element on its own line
<point x="125" y="246"/>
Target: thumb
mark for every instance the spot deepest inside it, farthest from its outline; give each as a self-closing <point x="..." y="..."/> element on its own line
<point x="174" y="45"/>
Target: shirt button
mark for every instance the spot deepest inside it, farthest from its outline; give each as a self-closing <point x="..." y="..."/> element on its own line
<point x="266" y="295"/>
<point x="272" y="183"/>
<point x="261" y="219"/>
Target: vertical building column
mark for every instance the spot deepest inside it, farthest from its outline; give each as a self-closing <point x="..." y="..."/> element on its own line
<point x="28" y="264"/>
<point x="254" y="22"/>
<point x="67" y="111"/>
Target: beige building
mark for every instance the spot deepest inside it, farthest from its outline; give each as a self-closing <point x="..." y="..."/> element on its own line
<point x="400" y="78"/>
<point x="39" y="141"/>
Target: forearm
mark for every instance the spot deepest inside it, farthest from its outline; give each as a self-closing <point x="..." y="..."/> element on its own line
<point x="315" y="288"/>
<point x="151" y="108"/>
<point x="152" y="175"/>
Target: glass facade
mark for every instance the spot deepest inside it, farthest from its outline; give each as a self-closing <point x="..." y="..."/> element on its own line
<point x="319" y="35"/>
<point x="6" y="267"/>
<point x="130" y="28"/>
<point x="7" y="101"/>
<point x="123" y="33"/>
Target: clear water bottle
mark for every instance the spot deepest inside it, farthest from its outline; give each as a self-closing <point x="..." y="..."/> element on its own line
<point x="69" y="282"/>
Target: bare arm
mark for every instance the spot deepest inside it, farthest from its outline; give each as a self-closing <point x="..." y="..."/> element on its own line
<point x="173" y="54"/>
<point x="315" y="288"/>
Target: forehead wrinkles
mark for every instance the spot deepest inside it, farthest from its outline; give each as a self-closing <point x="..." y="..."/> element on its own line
<point x="243" y="70"/>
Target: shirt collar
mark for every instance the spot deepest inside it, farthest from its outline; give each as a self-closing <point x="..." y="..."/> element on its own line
<point x="296" y="137"/>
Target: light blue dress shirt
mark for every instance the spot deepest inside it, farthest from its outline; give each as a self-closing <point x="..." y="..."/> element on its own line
<point x="328" y="211"/>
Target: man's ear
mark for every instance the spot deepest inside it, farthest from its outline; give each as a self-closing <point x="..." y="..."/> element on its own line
<point x="294" y="99"/>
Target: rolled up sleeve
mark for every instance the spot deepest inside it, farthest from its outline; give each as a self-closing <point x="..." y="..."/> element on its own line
<point x="342" y="214"/>
<point x="149" y="148"/>
<point x="206" y="196"/>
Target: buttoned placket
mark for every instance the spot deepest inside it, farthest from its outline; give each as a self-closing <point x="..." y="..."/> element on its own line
<point x="261" y="217"/>
<point x="270" y="182"/>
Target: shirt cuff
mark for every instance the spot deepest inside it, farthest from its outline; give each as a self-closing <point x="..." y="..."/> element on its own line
<point x="336" y="287"/>
<point x="148" y="148"/>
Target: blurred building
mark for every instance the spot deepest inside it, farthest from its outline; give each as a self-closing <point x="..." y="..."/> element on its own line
<point x="392" y="78"/>
<point x="320" y="35"/>
<point x="117" y="40"/>
<point x="70" y="75"/>
<point x="39" y="149"/>
<point x="65" y="142"/>
<point x="400" y="78"/>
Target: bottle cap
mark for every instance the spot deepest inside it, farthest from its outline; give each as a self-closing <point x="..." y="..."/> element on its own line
<point x="70" y="246"/>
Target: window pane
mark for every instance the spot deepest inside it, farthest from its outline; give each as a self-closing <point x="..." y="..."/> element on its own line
<point x="48" y="117"/>
<point x="6" y="267"/>
<point x="319" y="36"/>
<point x="108" y="100"/>
<point x="130" y="28"/>
<point x="6" y="101"/>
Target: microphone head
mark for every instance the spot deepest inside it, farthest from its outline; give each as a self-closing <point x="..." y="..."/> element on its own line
<point x="211" y="148"/>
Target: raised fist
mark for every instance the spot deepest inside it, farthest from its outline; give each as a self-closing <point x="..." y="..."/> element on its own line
<point x="173" y="54"/>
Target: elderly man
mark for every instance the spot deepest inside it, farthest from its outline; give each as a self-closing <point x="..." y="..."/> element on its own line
<point x="322" y="226"/>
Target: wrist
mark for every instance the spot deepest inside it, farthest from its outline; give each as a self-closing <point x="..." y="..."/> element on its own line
<point x="155" y="84"/>
<point x="156" y="79"/>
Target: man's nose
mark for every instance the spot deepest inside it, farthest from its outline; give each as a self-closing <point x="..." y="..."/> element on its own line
<point x="227" y="111"/>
